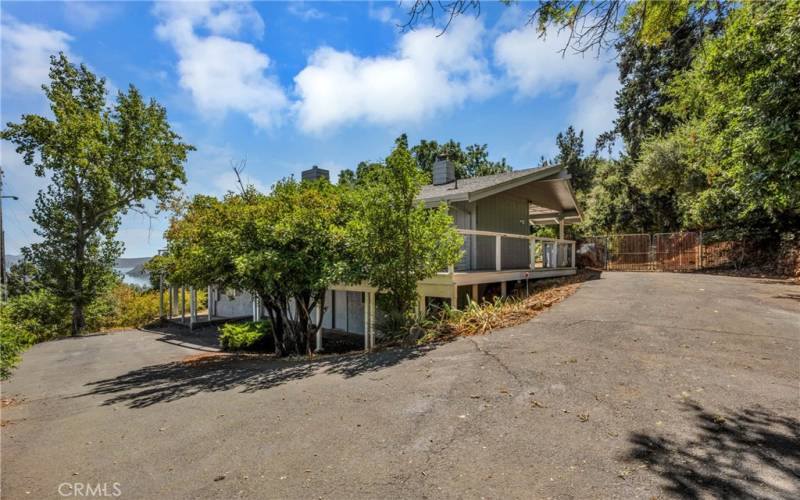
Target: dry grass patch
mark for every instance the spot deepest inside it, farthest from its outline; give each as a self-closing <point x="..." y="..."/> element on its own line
<point x="479" y="319"/>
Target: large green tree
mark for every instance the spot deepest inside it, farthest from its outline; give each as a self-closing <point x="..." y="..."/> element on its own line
<point x="102" y="161"/>
<point x="571" y="156"/>
<point x="647" y="66"/>
<point x="286" y="247"/>
<point x="396" y="240"/>
<point x="734" y="158"/>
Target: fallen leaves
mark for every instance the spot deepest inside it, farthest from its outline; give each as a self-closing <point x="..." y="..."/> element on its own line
<point x="479" y="319"/>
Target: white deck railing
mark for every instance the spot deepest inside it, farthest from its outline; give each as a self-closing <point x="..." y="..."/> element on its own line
<point x="493" y="251"/>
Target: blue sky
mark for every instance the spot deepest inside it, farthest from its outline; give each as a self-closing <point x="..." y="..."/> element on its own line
<point x="290" y="85"/>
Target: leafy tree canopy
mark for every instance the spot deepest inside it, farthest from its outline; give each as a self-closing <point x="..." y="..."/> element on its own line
<point x="102" y="160"/>
<point x="734" y="158"/>
<point x="396" y="241"/>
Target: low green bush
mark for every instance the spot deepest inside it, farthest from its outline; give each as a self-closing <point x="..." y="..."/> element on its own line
<point x="250" y="336"/>
<point x="14" y="339"/>
<point x="41" y="314"/>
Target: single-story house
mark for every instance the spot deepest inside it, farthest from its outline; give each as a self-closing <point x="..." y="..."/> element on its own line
<point x="494" y="213"/>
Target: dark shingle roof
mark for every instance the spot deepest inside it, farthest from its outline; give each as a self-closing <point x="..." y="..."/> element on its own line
<point x="472" y="184"/>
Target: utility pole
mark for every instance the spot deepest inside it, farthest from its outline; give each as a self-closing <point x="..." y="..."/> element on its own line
<point x="3" y="282"/>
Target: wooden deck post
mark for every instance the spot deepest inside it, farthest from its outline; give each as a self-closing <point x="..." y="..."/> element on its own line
<point x="561" y="228"/>
<point x="503" y="289"/>
<point x="498" y="252"/>
<point x="475" y="293"/>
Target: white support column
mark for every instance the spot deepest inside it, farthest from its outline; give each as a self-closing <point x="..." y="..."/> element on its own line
<point x="498" y="252"/>
<point x="372" y="317"/>
<point x="560" y="228"/>
<point x="171" y="301"/>
<point x="161" y="296"/>
<point x="183" y="304"/>
<point x="574" y="264"/>
<point x="532" y="253"/>
<point x="210" y="299"/>
<point x="256" y="309"/>
<point x="473" y="240"/>
<point x="367" y="346"/>
<point x="554" y="255"/>
<point x="503" y="289"/>
<point x="192" y="307"/>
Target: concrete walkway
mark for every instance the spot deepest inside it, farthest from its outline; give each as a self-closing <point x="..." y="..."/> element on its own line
<point x="640" y="385"/>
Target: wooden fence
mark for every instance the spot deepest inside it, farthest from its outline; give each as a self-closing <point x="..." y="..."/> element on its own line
<point x="684" y="251"/>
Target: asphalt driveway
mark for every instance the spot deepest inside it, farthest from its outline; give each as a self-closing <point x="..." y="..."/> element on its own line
<point x="639" y="385"/>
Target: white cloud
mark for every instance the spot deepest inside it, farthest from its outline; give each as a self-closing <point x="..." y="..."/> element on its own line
<point x="426" y="74"/>
<point x="222" y="74"/>
<point x="535" y="66"/>
<point x="382" y="14"/>
<point x="304" y="12"/>
<point x="593" y="106"/>
<point x="226" y="181"/>
<point x="26" y="52"/>
<point x="87" y="15"/>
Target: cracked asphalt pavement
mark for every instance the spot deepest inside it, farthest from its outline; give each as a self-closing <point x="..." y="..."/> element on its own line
<point x="640" y="385"/>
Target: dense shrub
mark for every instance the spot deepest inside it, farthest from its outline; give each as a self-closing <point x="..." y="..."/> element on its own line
<point x="41" y="314"/>
<point x="123" y="306"/>
<point x="13" y="340"/>
<point x="250" y="336"/>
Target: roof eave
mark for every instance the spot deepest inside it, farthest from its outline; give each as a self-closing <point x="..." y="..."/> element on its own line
<point x="512" y="183"/>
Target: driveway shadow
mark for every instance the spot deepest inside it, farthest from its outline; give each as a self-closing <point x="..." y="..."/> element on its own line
<point x="200" y="339"/>
<point x="750" y="453"/>
<point x="167" y="382"/>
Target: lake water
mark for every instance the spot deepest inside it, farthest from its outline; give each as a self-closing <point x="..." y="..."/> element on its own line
<point x="132" y="280"/>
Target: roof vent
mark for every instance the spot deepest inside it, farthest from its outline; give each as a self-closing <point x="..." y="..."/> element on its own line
<point x="444" y="172"/>
<point x="315" y="173"/>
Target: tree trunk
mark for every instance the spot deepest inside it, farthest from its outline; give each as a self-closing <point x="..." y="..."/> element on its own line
<point x="78" y="319"/>
<point x="278" y="333"/>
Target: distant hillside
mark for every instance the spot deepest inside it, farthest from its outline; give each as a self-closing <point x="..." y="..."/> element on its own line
<point x="12" y="259"/>
<point x="134" y="265"/>
<point x="139" y="271"/>
<point x="128" y="262"/>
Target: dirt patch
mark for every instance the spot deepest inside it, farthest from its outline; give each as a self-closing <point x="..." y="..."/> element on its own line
<point x="6" y="402"/>
<point x="204" y="357"/>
